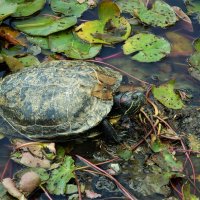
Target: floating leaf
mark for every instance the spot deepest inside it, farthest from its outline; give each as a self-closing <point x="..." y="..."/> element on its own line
<point x="29" y="61"/>
<point x="148" y="47"/>
<point x="194" y="68"/>
<point x="72" y="46"/>
<point x="129" y="6"/>
<point x="44" y="25"/>
<point x="161" y="14"/>
<point x="17" y="50"/>
<point x="26" y="8"/>
<point x="68" y="7"/>
<point x="107" y="10"/>
<point x="180" y="45"/>
<point x="111" y="28"/>
<point x="193" y="8"/>
<point x="59" y="177"/>
<point x="6" y="9"/>
<point x="40" y="41"/>
<point x="197" y="45"/>
<point x="166" y="95"/>
<point x="184" y="17"/>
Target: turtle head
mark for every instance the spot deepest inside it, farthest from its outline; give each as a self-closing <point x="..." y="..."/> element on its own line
<point x="129" y="102"/>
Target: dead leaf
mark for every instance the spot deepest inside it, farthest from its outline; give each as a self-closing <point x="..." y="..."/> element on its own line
<point x="29" y="182"/>
<point x="12" y="36"/>
<point x="13" y="63"/>
<point x="102" y="92"/>
<point x="92" y="195"/>
<point x="180" y="45"/>
<point x="108" y="80"/>
<point x="183" y="16"/>
<point x="9" y="185"/>
<point x="29" y="160"/>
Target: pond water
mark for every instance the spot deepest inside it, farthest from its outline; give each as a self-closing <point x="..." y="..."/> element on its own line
<point x="174" y="66"/>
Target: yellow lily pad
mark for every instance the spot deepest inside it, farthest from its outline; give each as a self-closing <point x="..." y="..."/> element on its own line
<point x="109" y="29"/>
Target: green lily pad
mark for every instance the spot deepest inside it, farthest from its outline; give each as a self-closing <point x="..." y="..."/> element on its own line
<point x="6" y="9"/>
<point x="110" y="29"/>
<point x="161" y="15"/>
<point x="59" y="177"/>
<point x="44" y="25"/>
<point x="40" y="41"/>
<point x="193" y="8"/>
<point x="197" y="45"/>
<point x="68" y="7"/>
<point x="166" y="95"/>
<point x="148" y="47"/>
<point x="26" y="8"/>
<point x="29" y="61"/>
<point x="194" y="68"/>
<point x="129" y="6"/>
<point x="72" y="46"/>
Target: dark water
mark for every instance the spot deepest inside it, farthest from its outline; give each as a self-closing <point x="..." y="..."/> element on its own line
<point x="156" y="73"/>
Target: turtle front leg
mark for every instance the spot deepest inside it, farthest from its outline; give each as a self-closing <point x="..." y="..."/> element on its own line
<point x="110" y="133"/>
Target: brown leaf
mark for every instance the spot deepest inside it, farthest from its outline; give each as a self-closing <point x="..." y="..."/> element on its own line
<point x="29" y="160"/>
<point x="29" y="182"/>
<point x="108" y="80"/>
<point x="181" y="45"/>
<point x="13" y="63"/>
<point x="183" y="16"/>
<point x="12" y="36"/>
<point x="9" y="185"/>
<point x="102" y="92"/>
<point x="92" y="195"/>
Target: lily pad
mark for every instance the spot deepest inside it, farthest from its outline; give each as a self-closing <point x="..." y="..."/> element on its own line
<point x="6" y="9"/>
<point x="107" y="10"/>
<point x="57" y="183"/>
<point x="40" y="41"/>
<point x="129" y="6"/>
<point x="197" y="45"/>
<point x="166" y="95"/>
<point x="194" y="68"/>
<point x="148" y="47"/>
<point x="29" y="61"/>
<point x="110" y="29"/>
<point x="72" y="46"/>
<point x="68" y="7"/>
<point x="44" y="25"/>
<point x="26" y="8"/>
<point x="193" y="8"/>
<point x="161" y="14"/>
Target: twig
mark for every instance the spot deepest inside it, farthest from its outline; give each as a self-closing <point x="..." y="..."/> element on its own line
<point x="79" y="187"/>
<point x="178" y="192"/>
<point x="45" y="192"/>
<point x="125" y="192"/>
<point x="122" y="71"/>
<point x="109" y="57"/>
<point x="28" y="144"/>
<point x="101" y="163"/>
<point x="5" y="169"/>
<point x="191" y="163"/>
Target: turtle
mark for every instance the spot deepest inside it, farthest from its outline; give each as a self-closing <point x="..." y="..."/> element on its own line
<point x="61" y="100"/>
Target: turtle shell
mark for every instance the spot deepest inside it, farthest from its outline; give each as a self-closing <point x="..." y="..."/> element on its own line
<point x="58" y="99"/>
